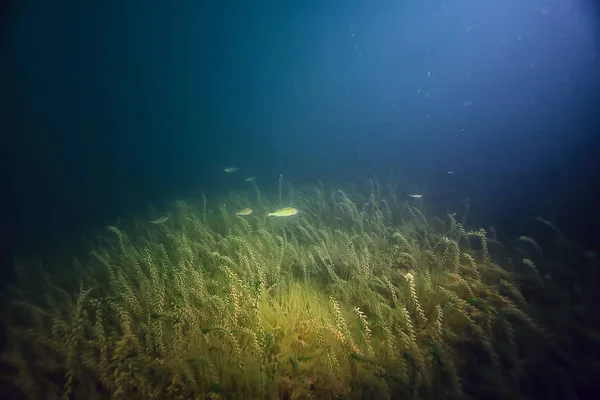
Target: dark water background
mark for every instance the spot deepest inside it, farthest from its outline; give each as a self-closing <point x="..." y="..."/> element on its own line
<point x="110" y="105"/>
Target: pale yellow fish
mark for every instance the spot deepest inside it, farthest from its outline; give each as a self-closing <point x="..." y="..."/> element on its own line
<point x="284" y="212"/>
<point x="416" y="196"/>
<point x="230" y="170"/>
<point x="160" y="220"/>
<point x="245" y="211"/>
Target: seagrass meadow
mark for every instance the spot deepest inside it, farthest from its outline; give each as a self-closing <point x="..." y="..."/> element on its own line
<point x="361" y="295"/>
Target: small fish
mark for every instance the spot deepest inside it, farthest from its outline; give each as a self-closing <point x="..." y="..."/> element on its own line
<point x="416" y="196"/>
<point x="284" y="212"/>
<point x="450" y="172"/>
<point x="160" y="220"/>
<point x="245" y="211"/>
<point x="250" y="179"/>
<point x="230" y="170"/>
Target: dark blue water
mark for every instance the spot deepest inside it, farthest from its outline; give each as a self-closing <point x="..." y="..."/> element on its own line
<point x="110" y="106"/>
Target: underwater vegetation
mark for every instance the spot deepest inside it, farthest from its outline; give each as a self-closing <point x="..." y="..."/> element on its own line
<point x="358" y="295"/>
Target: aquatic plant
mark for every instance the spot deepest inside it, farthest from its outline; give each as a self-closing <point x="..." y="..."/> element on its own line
<point x="360" y="295"/>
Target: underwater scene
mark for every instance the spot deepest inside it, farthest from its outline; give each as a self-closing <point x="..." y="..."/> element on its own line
<point x="356" y="292"/>
<point x="317" y="200"/>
